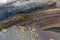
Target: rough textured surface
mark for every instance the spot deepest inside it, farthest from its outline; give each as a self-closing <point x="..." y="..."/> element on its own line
<point x="2" y="36"/>
<point x="8" y="11"/>
<point x="14" y="33"/>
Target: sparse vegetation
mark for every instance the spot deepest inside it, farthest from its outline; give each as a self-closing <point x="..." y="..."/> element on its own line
<point x="21" y="18"/>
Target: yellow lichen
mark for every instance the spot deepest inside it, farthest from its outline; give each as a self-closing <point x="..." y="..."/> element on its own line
<point x="22" y="29"/>
<point x="4" y="30"/>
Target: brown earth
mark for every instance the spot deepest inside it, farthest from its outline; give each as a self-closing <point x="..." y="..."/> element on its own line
<point x="44" y="19"/>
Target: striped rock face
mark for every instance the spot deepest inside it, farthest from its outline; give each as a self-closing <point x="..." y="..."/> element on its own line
<point x="50" y="16"/>
<point x="11" y="8"/>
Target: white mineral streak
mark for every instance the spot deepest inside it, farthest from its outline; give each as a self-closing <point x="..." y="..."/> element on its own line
<point x="22" y="2"/>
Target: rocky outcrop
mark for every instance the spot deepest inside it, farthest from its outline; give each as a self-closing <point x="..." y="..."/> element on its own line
<point x="41" y="18"/>
<point x="9" y="11"/>
<point x="47" y="17"/>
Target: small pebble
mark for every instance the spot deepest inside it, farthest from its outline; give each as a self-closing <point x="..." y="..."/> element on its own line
<point x="19" y="26"/>
<point x="22" y="30"/>
<point x="4" y="30"/>
<point x="29" y="28"/>
<point x="33" y="30"/>
<point x="36" y="35"/>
